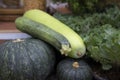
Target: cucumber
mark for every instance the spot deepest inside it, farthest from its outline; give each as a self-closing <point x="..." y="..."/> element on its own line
<point x="77" y="46"/>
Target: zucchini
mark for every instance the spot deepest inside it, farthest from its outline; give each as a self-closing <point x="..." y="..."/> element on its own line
<point x="43" y="32"/>
<point x="77" y="45"/>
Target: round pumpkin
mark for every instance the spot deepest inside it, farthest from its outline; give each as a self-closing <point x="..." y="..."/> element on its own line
<point x="26" y="59"/>
<point x="71" y="69"/>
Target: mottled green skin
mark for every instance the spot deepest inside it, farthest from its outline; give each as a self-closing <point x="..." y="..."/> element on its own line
<point x="41" y="31"/>
<point x="30" y="59"/>
<point x="66" y="71"/>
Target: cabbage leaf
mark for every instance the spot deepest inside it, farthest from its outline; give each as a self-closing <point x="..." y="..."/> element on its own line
<point x="103" y="45"/>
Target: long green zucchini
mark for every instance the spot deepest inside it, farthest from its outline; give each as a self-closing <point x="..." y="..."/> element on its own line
<point x="43" y="32"/>
<point x="77" y="45"/>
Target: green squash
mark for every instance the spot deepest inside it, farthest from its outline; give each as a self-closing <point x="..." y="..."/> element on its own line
<point x="71" y="69"/>
<point x="26" y="59"/>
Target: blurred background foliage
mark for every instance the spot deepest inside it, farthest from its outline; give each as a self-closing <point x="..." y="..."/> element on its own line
<point x="89" y="6"/>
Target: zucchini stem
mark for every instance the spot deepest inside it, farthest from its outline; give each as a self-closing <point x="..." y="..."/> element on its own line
<point x="65" y="49"/>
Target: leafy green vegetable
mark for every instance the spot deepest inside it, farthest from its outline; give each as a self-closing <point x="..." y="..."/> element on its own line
<point x="82" y="24"/>
<point x="101" y="34"/>
<point x="103" y="45"/>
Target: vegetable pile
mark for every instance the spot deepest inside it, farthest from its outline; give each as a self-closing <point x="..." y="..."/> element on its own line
<point x="36" y="57"/>
<point x="101" y="34"/>
<point x="96" y="36"/>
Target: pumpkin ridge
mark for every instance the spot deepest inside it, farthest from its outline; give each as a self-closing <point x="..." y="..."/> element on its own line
<point x="22" y="63"/>
<point x="30" y="52"/>
<point x="47" y="50"/>
<point x="28" y="56"/>
<point x="4" y="62"/>
<point x="43" y="51"/>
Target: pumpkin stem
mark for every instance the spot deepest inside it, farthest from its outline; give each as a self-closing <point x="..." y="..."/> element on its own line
<point x="18" y="40"/>
<point x="75" y="65"/>
<point x="78" y="54"/>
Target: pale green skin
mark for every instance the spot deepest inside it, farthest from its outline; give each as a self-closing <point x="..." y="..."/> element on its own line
<point x="78" y="48"/>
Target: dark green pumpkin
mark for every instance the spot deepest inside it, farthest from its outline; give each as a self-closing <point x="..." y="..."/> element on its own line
<point x="71" y="69"/>
<point x="27" y="59"/>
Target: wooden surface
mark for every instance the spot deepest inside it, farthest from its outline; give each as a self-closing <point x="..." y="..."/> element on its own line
<point x="8" y="27"/>
<point x="2" y="41"/>
<point x="11" y="11"/>
<point x="7" y="18"/>
<point x="9" y="31"/>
